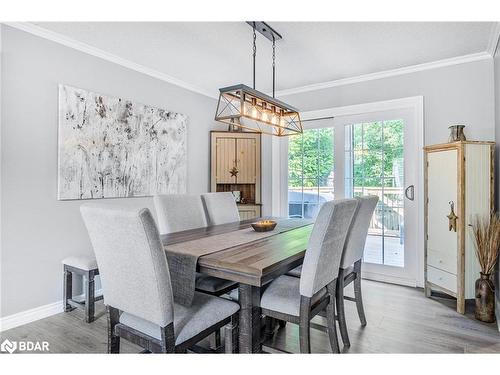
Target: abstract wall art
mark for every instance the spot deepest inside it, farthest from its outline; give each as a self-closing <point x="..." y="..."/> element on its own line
<point x="111" y="147"/>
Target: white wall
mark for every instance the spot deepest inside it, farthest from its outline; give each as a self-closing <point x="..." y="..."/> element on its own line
<point x="458" y="94"/>
<point x="37" y="230"/>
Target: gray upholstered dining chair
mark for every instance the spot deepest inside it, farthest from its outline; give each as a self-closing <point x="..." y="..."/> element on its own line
<point x="350" y="266"/>
<point x="221" y="208"/>
<point x="298" y="300"/>
<point x="179" y="212"/>
<point x="137" y="288"/>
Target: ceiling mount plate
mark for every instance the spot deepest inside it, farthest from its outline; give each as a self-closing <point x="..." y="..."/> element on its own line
<point x="265" y="30"/>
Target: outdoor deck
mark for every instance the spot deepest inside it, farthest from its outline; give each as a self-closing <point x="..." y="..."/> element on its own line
<point x="393" y="254"/>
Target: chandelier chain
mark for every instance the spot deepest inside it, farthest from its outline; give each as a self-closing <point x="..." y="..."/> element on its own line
<point x="254" y="53"/>
<point x="274" y="64"/>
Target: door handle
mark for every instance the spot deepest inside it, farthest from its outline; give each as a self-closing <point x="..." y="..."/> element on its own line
<point x="410" y="192"/>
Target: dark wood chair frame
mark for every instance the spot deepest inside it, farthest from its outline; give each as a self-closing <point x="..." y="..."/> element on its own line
<point x="88" y="289"/>
<point x="343" y="280"/>
<point x="307" y="312"/>
<point x="166" y="344"/>
<point x="215" y="340"/>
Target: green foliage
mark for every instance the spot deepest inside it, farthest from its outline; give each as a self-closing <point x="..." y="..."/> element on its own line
<point x="377" y="149"/>
<point x="311" y="157"/>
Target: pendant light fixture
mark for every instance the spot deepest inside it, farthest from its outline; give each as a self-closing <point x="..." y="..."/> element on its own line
<point x="242" y="107"/>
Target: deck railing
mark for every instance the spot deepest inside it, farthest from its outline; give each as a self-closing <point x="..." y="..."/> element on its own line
<point x="388" y="214"/>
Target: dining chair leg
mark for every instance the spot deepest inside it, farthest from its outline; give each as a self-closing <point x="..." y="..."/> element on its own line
<point x="168" y="339"/>
<point x="89" y="287"/>
<point x="215" y="341"/>
<point x="339" y="298"/>
<point x="330" y="318"/>
<point x="304" y="325"/>
<point x="67" y="289"/>
<point x="231" y="335"/>
<point x="357" y="293"/>
<point x="113" y="340"/>
<point x="269" y="327"/>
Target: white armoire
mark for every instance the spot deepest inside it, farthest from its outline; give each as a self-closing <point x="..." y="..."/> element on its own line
<point x="459" y="181"/>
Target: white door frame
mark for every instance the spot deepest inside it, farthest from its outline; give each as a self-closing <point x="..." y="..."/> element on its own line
<point x="416" y="104"/>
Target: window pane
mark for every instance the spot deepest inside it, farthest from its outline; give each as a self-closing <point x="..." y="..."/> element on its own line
<point x="311" y="171"/>
<point x="393" y="134"/>
<point x="393" y="165"/>
<point x="295" y="157"/>
<point x="295" y="198"/>
<point x="372" y="136"/>
<point x="325" y="155"/>
<point x="357" y="136"/>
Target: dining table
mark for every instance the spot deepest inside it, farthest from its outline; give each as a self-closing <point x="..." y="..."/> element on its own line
<point x="248" y="258"/>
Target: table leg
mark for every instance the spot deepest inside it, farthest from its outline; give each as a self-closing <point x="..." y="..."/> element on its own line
<point x="249" y="298"/>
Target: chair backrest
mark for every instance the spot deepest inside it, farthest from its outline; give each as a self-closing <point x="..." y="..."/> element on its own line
<point x="322" y="259"/>
<point x="221" y="208"/>
<point x="178" y="212"/>
<point x="131" y="260"/>
<point x="356" y="239"/>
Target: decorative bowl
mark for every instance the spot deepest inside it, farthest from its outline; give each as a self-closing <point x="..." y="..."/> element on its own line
<point x="264" y="225"/>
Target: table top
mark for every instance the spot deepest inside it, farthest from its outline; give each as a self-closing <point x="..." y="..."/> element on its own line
<point x="254" y="263"/>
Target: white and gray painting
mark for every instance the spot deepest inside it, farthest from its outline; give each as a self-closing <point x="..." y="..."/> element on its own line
<point x="111" y="147"/>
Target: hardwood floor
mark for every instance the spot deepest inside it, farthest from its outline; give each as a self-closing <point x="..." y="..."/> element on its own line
<point x="400" y="320"/>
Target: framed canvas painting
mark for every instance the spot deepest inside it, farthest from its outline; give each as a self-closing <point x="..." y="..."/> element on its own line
<point x="111" y="147"/>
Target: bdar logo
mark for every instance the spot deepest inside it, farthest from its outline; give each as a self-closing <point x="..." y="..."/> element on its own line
<point x="8" y="346"/>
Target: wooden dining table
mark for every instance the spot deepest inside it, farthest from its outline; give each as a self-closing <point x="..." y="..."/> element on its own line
<point x="252" y="264"/>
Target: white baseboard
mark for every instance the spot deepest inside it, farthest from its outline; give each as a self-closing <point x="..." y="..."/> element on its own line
<point x="41" y="312"/>
<point x="28" y="316"/>
<point x="388" y="279"/>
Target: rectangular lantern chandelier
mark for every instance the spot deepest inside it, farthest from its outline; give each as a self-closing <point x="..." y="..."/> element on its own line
<point x="242" y="107"/>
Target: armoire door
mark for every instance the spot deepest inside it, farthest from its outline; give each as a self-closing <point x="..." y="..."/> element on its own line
<point x="225" y="161"/>
<point x="442" y="193"/>
<point x="246" y="160"/>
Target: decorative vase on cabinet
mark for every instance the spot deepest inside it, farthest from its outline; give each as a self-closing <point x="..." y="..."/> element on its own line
<point x="235" y="166"/>
<point x="458" y="185"/>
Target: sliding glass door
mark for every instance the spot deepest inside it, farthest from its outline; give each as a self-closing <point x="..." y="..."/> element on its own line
<point x="365" y="154"/>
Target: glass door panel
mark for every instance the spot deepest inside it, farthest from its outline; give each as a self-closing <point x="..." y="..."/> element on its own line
<point x="310" y="171"/>
<point x="375" y="154"/>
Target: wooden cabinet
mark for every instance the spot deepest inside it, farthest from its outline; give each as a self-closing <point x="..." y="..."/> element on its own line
<point x="460" y="176"/>
<point x="225" y="165"/>
<point x="235" y="166"/>
<point x="249" y="211"/>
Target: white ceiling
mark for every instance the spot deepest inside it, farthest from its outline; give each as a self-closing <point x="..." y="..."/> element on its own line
<point x="213" y="55"/>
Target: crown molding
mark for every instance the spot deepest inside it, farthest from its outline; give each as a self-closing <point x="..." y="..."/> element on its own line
<point x="83" y="47"/>
<point x="93" y="51"/>
<point x="494" y="37"/>
<point x="387" y="73"/>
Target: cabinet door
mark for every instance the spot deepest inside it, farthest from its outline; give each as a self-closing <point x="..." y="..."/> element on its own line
<point x="225" y="161"/>
<point x="248" y="212"/>
<point x="442" y="188"/>
<point x="246" y="160"/>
